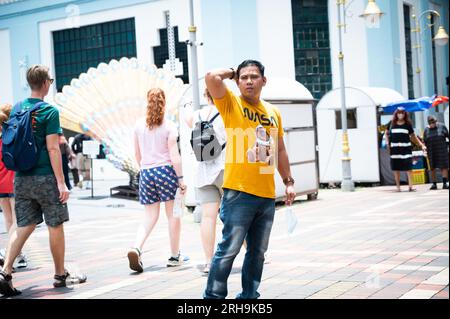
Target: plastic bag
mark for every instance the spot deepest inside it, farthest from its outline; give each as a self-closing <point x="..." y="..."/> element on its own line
<point x="291" y="220"/>
<point x="178" y="204"/>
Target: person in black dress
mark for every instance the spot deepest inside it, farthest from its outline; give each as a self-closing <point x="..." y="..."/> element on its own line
<point x="435" y="137"/>
<point x="398" y="138"/>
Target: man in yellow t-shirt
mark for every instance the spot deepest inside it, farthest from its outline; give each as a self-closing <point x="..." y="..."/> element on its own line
<point x="255" y="147"/>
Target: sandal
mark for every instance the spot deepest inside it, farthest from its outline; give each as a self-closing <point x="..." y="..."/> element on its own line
<point x="412" y="189"/>
<point x="6" y="287"/>
<point x="61" y="280"/>
<point x="134" y="258"/>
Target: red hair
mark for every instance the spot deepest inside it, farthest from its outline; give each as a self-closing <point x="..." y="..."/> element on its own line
<point x="5" y="111"/>
<point x="395" y="117"/>
<point x="156" y="102"/>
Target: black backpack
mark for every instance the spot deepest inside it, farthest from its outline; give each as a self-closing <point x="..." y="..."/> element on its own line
<point x="204" y="141"/>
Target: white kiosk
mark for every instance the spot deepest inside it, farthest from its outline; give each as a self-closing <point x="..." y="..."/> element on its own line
<point x="362" y="104"/>
<point x="296" y="106"/>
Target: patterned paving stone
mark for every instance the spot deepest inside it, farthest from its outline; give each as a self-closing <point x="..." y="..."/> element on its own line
<point x="368" y="244"/>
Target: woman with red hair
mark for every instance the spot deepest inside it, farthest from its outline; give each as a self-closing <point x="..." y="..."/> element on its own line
<point x="398" y="138"/>
<point x="157" y="154"/>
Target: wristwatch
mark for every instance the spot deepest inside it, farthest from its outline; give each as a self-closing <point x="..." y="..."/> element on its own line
<point x="288" y="180"/>
<point x="234" y="74"/>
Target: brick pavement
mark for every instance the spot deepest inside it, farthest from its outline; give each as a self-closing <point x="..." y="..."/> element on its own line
<point x="373" y="243"/>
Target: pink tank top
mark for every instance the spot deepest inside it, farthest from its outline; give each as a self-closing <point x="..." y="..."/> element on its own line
<point x="153" y="144"/>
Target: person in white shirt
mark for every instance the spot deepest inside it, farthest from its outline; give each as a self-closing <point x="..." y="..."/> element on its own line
<point x="209" y="178"/>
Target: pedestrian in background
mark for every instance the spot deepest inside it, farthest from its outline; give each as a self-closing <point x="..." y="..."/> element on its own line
<point x="398" y="139"/>
<point x="156" y="151"/>
<point x="73" y="164"/>
<point x="40" y="192"/>
<point x="435" y="137"/>
<point x="7" y="194"/>
<point x="83" y="163"/>
<point x="66" y="156"/>
<point x="209" y="177"/>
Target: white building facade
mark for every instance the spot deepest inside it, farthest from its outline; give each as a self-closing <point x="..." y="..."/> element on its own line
<point x="294" y="39"/>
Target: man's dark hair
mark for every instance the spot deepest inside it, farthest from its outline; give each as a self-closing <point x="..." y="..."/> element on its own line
<point x="247" y="63"/>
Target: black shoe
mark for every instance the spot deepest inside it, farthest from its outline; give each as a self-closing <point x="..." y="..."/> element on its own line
<point x="177" y="261"/>
<point x="6" y="286"/>
<point x="445" y="186"/>
<point x="433" y="187"/>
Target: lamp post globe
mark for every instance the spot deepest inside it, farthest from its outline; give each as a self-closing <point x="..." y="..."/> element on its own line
<point x="441" y="37"/>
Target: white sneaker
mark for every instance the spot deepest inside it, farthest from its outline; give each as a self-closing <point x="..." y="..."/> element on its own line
<point x="134" y="258"/>
<point x="21" y="261"/>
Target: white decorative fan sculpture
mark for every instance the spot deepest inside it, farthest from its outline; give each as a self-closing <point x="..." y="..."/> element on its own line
<point x="106" y="102"/>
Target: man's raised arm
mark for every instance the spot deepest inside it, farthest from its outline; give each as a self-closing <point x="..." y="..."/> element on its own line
<point x="214" y="81"/>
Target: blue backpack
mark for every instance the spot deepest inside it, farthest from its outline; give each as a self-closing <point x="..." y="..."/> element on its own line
<point x="19" y="151"/>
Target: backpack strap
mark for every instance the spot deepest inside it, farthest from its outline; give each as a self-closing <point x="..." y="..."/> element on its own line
<point x="214" y="117"/>
<point x="33" y="109"/>
<point x="17" y="107"/>
<point x="36" y="106"/>
<point x="212" y="120"/>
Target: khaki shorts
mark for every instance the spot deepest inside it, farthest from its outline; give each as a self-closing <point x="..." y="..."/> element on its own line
<point x="37" y="197"/>
<point x="211" y="193"/>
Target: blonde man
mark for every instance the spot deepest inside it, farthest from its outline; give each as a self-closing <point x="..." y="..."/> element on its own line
<point x="40" y="192"/>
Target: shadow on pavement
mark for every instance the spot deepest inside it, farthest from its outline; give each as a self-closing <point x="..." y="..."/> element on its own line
<point x="32" y="292"/>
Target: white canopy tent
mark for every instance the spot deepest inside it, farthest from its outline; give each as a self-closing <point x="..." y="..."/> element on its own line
<point x="363" y="140"/>
<point x="295" y="103"/>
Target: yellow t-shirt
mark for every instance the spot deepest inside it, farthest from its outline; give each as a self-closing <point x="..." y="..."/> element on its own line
<point x="250" y="161"/>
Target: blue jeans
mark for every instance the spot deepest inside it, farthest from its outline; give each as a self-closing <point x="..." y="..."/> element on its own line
<point x="244" y="216"/>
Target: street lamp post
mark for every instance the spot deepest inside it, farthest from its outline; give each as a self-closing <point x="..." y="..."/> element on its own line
<point x="347" y="183"/>
<point x="440" y="39"/>
<point x="194" y="60"/>
<point x="372" y="16"/>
